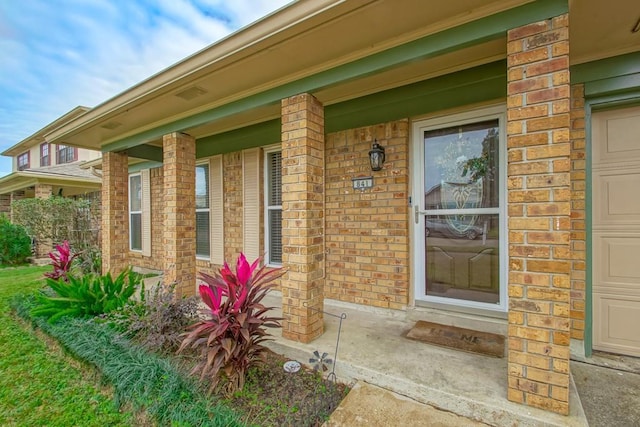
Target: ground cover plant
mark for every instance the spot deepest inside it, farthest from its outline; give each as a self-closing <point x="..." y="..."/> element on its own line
<point x="39" y="384"/>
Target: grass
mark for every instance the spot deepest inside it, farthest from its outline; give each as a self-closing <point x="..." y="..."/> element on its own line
<point x="39" y="384"/>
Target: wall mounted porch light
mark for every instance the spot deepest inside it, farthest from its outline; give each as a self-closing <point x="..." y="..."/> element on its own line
<point x="376" y="156"/>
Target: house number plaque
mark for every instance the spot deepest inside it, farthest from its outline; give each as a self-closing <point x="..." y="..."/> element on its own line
<point x="362" y="183"/>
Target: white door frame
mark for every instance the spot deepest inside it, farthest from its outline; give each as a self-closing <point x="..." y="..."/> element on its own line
<point x="417" y="217"/>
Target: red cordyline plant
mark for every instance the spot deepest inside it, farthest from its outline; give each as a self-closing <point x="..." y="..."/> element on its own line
<point x="61" y="262"/>
<point x="230" y="338"/>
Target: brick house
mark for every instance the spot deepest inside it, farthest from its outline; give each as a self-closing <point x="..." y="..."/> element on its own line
<point x="41" y="169"/>
<point x="509" y="131"/>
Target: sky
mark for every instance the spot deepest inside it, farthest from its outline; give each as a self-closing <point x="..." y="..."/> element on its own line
<point x="58" y="54"/>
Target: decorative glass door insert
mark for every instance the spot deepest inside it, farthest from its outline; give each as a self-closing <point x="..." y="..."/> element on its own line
<point x="459" y="215"/>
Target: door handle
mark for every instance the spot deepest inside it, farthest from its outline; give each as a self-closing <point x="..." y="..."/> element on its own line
<point x="417" y="212"/>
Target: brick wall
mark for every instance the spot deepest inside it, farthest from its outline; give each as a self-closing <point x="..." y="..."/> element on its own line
<point x="366" y="233"/>
<point x="539" y="193"/>
<point x="5" y="204"/>
<point x="578" y="225"/>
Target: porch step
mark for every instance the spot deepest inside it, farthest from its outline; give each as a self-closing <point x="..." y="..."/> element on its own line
<point x="373" y="349"/>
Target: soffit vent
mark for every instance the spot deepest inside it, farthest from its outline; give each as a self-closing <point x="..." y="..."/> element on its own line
<point x="111" y="125"/>
<point x="190" y="93"/>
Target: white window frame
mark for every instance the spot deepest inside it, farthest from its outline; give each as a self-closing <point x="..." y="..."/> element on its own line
<point x="419" y="269"/>
<point x="198" y="210"/>
<point x="132" y="212"/>
<point x="275" y="148"/>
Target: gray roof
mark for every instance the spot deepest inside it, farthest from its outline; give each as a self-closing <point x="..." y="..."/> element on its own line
<point x="67" y="169"/>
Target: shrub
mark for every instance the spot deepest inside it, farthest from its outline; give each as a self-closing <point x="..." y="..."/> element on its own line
<point x="61" y="262"/>
<point x="229" y="340"/>
<point x="15" y="243"/>
<point x="59" y="218"/>
<point x="89" y="295"/>
<point x="158" y="319"/>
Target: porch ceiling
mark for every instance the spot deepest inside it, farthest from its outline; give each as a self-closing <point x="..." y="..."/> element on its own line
<point x="307" y="38"/>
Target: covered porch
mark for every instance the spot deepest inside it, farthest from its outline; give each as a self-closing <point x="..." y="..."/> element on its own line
<point x="373" y="349"/>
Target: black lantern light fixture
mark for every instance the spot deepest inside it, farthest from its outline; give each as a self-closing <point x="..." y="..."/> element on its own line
<point x="376" y="156"/>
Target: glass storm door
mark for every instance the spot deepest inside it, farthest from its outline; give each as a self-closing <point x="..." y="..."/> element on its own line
<point x="458" y="214"/>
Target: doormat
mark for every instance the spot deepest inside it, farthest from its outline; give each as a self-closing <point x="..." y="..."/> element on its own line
<point x="459" y="338"/>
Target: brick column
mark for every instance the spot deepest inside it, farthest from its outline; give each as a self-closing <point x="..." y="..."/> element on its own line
<point x="115" y="212"/>
<point x="43" y="191"/>
<point x="302" y="217"/>
<point x="179" y="232"/>
<point x="539" y="196"/>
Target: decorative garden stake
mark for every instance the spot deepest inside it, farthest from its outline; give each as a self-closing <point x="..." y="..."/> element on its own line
<point x="332" y="374"/>
<point x="320" y="362"/>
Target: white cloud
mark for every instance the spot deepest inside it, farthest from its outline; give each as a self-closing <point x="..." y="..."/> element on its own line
<point x="57" y="54"/>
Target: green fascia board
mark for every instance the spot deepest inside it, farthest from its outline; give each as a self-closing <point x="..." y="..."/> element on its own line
<point x="612" y="85"/>
<point x="482" y="83"/>
<point x="240" y="139"/>
<point x="145" y="151"/>
<point x="606" y="68"/>
<point x="144" y="165"/>
<point x="469" y="34"/>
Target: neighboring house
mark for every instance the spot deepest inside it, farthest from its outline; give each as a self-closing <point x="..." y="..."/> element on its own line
<point x="510" y="131"/>
<point x="42" y="169"/>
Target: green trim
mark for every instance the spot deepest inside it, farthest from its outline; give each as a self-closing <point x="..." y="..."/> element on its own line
<point x="591" y="105"/>
<point x="145" y="151"/>
<point x="478" y="84"/>
<point x="612" y="85"/>
<point x="239" y="139"/>
<point x="588" y="298"/>
<point x="144" y="165"/>
<point x="606" y="68"/>
<point x="469" y="34"/>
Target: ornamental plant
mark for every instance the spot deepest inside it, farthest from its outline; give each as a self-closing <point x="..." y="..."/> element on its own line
<point x="89" y="295"/>
<point x="61" y="261"/>
<point x="230" y="338"/>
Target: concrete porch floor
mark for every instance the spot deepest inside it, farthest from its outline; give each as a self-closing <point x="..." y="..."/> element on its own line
<point x="373" y="349"/>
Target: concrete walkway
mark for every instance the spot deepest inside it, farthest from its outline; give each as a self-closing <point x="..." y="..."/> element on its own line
<point x="368" y="405"/>
<point x="373" y="350"/>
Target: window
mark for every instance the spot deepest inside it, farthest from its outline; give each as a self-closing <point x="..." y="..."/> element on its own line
<point x="273" y="206"/>
<point x="203" y="244"/>
<point x="66" y="154"/>
<point x="23" y="161"/>
<point x="45" y="160"/>
<point x="135" y="212"/>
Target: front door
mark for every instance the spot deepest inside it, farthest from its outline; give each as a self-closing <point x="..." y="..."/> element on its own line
<point x="458" y="211"/>
<point x="615" y="234"/>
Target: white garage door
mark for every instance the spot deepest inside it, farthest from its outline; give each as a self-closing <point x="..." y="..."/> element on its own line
<point x="616" y="230"/>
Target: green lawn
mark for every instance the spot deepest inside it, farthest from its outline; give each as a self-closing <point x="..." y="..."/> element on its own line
<point x="38" y="385"/>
